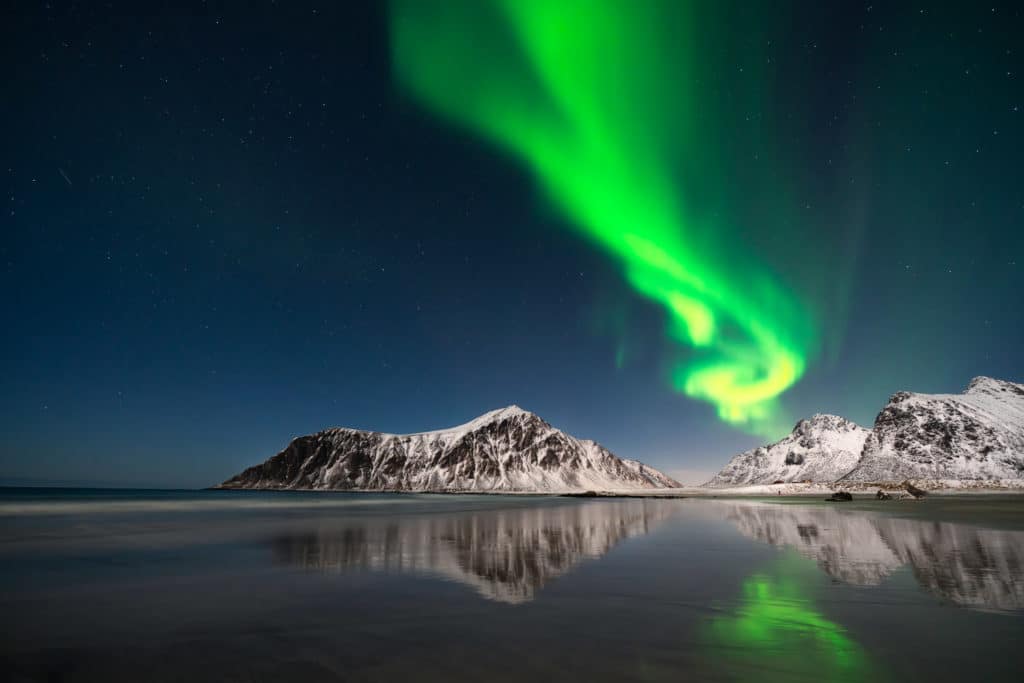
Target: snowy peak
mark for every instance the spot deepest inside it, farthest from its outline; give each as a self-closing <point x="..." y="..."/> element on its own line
<point x="820" y="448"/>
<point x="821" y="423"/>
<point x="509" y="449"/>
<point x="976" y="435"/>
<point x="502" y="413"/>
<point x="512" y="412"/>
<point x="995" y="388"/>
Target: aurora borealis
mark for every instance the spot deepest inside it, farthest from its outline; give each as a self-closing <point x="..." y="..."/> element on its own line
<point x="671" y="227"/>
<point x="596" y="99"/>
<point x="432" y="324"/>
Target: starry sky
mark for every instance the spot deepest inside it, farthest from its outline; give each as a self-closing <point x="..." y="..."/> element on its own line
<point x="228" y="224"/>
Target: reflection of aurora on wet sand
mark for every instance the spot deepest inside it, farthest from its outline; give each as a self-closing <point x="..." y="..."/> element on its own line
<point x="776" y="634"/>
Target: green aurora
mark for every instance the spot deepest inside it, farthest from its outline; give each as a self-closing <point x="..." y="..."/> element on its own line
<point x="604" y="103"/>
<point x="776" y="634"/>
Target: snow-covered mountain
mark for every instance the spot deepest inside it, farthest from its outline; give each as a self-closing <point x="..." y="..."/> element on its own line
<point x="509" y="449"/>
<point x="823" y="448"/>
<point x="978" y="434"/>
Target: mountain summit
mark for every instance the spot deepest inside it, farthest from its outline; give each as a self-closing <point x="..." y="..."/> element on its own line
<point x="822" y="448"/>
<point x="978" y="434"/>
<point x="509" y="449"/>
<point x="975" y="435"/>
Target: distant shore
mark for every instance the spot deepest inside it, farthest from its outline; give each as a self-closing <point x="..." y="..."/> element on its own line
<point x="796" y="490"/>
<point x="938" y="487"/>
<point x="792" y="489"/>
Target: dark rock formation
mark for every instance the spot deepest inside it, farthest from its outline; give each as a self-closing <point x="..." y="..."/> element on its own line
<point x="913" y="490"/>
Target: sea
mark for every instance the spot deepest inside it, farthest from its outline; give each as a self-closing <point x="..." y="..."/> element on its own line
<point x="147" y="585"/>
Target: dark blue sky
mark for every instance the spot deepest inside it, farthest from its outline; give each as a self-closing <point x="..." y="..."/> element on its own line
<point x="223" y="227"/>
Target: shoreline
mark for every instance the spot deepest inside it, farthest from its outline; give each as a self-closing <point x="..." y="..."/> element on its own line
<point x="787" y="490"/>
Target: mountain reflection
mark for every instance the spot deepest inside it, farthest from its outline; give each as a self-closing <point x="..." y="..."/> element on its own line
<point x="966" y="565"/>
<point x="505" y="555"/>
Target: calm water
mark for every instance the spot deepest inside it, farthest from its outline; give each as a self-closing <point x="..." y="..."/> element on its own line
<point x="235" y="586"/>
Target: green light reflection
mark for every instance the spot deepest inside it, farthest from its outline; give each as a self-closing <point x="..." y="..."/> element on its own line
<point x="776" y="634"/>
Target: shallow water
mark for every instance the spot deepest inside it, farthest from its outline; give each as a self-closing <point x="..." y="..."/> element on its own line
<point x="241" y="586"/>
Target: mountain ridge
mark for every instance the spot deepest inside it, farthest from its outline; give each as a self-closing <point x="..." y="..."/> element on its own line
<point x="504" y="450"/>
<point x="974" y="435"/>
<point x="822" y="447"/>
<point x="977" y="434"/>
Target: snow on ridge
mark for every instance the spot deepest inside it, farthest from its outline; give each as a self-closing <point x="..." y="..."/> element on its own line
<point x="509" y="449"/>
<point x="821" y="448"/>
<point x="974" y="435"/>
<point x="509" y="411"/>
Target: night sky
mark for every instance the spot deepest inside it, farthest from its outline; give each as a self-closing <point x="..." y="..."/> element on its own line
<point x="228" y="224"/>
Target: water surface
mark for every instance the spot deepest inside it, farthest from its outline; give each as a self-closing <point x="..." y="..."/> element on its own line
<point x="243" y="586"/>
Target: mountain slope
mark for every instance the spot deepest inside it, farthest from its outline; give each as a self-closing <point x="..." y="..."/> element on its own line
<point x="978" y="434"/>
<point x="823" y="448"/>
<point x="504" y="450"/>
<point x="974" y="436"/>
